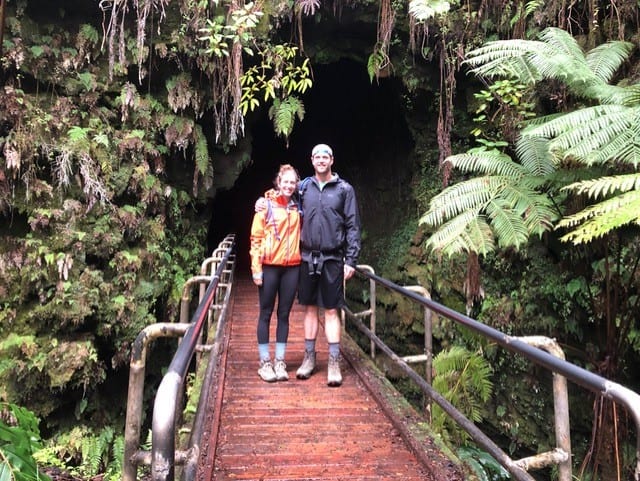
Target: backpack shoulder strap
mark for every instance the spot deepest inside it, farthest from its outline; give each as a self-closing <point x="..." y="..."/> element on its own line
<point x="303" y="185"/>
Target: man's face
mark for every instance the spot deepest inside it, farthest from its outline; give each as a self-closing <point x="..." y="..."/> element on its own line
<point x="322" y="162"/>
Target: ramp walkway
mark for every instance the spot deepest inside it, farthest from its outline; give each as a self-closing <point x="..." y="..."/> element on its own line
<point x="303" y="429"/>
<point x="245" y="429"/>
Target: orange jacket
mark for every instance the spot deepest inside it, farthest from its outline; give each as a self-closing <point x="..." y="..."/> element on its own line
<point x="275" y="234"/>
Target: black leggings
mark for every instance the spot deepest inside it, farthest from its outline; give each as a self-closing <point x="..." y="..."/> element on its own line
<point x="283" y="282"/>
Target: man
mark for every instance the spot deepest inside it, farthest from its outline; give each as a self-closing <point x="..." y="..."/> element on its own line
<point x="330" y="245"/>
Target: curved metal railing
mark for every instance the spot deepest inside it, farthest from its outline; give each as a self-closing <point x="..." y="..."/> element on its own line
<point x="211" y="310"/>
<point x="534" y="348"/>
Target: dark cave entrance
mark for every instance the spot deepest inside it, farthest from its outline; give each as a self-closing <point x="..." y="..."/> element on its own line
<point x="365" y="125"/>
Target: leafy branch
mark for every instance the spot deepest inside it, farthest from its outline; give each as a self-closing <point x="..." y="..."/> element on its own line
<point x="19" y="439"/>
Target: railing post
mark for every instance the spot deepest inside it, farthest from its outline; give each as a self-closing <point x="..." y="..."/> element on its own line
<point x="372" y="306"/>
<point x="560" y="406"/>
<point x="185" y="300"/>
<point x="428" y="346"/>
<point x="137" y="368"/>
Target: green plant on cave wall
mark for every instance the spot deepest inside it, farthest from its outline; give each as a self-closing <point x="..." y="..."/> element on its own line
<point x="99" y="237"/>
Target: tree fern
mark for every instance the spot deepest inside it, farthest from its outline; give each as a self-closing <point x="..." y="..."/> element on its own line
<point x="556" y="56"/>
<point x="467" y="232"/>
<point x="503" y="209"/>
<point x="605" y="60"/>
<point x="604" y="135"/>
<point x="423" y="10"/>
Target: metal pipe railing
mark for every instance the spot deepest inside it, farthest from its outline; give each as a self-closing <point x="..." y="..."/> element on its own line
<point x="558" y="366"/>
<point x="164" y="411"/>
<point x="137" y="368"/>
<point x="163" y="456"/>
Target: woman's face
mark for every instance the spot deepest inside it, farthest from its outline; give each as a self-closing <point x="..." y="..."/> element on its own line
<point x="288" y="183"/>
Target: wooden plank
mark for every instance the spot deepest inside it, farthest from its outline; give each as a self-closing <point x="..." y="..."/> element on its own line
<point x="299" y="429"/>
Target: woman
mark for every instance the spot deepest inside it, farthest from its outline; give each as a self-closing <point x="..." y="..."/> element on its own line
<point x="275" y="262"/>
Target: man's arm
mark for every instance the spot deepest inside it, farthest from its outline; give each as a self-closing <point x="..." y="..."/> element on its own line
<point x="260" y="205"/>
<point x="352" y="230"/>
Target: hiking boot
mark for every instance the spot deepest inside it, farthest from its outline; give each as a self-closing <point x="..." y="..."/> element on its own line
<point x="308" y="365"/>
<point x="334" y="377"/>
<point x="266" y="371"/>
<point x="280" y="369"/>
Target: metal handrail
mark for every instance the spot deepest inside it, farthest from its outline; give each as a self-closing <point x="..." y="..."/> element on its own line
<point x="163" y="456"/>
<point x="556" y="364"/>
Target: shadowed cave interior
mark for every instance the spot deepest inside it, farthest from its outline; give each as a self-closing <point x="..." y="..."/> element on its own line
<point x="364" y="124"/>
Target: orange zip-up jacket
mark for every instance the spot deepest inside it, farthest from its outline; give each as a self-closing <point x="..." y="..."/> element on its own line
<point x="275" y="234"/>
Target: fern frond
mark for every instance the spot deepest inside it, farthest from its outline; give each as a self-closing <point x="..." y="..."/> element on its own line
<point x="508" y="226"/>
<point x="535" y="209"/>
<point x="463" y="234"/>
<point x="470" y="195"/>
<point x="606" y="59"/>
<point x="561" y="42"/>
<point x="597" y="220"/>
<point x="423" y="10"/>
<point x="553" y="126"/>
<point x="623" y="148"/>
<point x="505" y="58"/>
<point x="283" y="114"/>
<point x="464" y="379"/>
<point x="604" y="186"/>
<point x="533" y="153"/>
<point x="487" y="162"/>
<point x="598" y="135"/>
<point x="91" y="455"/>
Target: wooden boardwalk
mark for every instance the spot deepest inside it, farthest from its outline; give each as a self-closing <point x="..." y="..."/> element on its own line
<point x="303" y="429"/>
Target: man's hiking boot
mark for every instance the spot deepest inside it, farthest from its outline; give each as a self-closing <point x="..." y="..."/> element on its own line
<point x="280" y="369"/>
<point x="334" y="376"/>
<point x="308" y="365"/>
<point x="266" y="371"/>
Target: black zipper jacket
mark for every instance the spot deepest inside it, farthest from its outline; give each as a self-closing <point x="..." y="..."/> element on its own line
<point x="331" y="220"/>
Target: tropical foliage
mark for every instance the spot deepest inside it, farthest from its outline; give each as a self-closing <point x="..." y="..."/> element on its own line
<point x="19" y="440"/>
<point x="563" y="161"/>
<point x="516" y="198"/>
<point x="121" y="120"/>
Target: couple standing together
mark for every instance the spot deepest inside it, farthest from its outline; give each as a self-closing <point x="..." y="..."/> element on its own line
<point x="305" y="237"/>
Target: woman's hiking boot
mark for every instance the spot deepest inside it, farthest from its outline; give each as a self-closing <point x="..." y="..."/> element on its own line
<point x="266" y="371"/>
<point x="334" y="376"/>
<point x="308" y="365"/>
<point x="280" y="369"/>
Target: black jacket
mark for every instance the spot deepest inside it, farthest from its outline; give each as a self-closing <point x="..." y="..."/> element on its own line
<point x="330" y="220"/>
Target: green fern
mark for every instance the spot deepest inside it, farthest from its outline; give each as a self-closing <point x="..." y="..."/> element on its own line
<point x="201" y="150"/>
<point x="518" y="204"/>
<point x="87" y="454"/>
<point x="482" y="464"/>
<point x="283" y="115"/>
<point x="501" y="208"/>
<point x="464" y="379"/>
<point x="376" y="61"/>
<point x="113" y="469"/>
<point x="423" y="10"/>
<point x="599" y="219"/>
<point x="555" y="56"/>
